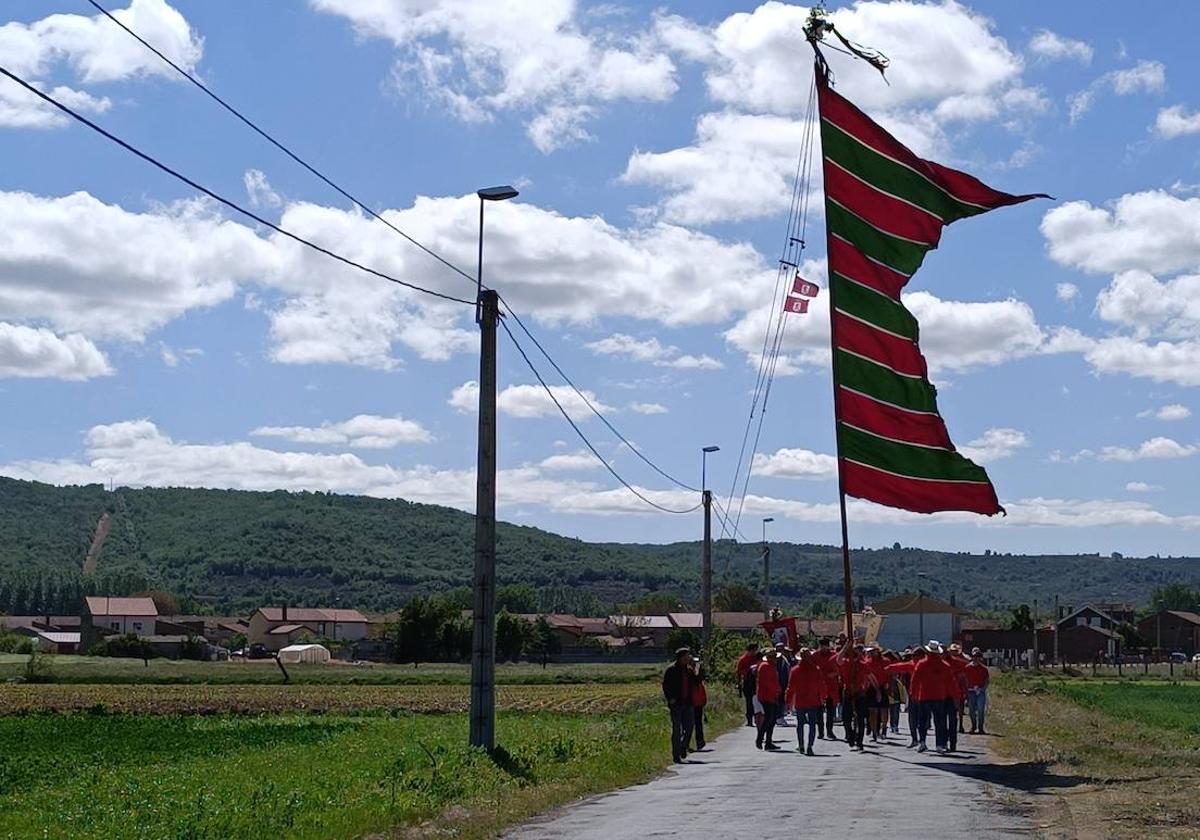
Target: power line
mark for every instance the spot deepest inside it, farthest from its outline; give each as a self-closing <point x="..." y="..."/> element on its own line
<point x="346" y="194"/>
<point x="580" y="433"/>
<point x="589" y="404"/>
<point x="221" y="199"/>
<point x="277" y="144"/>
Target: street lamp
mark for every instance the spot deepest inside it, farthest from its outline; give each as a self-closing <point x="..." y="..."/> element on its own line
<point x="502" y="193"/>
<point x="706" y="551"/>
<point x="704" y="464"/>
<point x="483" y="636"/>
<point x="766" y="568"/>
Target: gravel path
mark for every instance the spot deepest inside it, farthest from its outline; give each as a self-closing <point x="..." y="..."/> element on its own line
<point x="736" y="791"/>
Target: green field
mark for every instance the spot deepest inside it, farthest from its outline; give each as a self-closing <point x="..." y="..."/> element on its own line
<point x="105" y="670"/>
<point x="110" y="777"/>
<point x="1170" y="706"/>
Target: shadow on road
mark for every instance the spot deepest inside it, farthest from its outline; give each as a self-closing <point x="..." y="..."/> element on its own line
<point x="1027" y="776"/>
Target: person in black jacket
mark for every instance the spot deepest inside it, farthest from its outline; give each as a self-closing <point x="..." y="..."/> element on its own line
<point x="677" y="689"/>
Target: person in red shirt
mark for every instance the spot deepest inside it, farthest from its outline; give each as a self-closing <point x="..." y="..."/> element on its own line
<point x="957" y="688"/>
<point x="825" y="657"/>
<point x="877" y="701"/>
<point x="978" y="676"/>
<point x="744" y="662"/>
<point x="806" y="694"/>
<point x="904" y="671"/>
<point x="770" y="695"/>
<point x="934" y="677"/>
<point x="699" y="701"/>
<point x="858" y="681"/>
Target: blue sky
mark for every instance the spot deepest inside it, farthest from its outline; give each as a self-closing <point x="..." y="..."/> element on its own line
<point x="149" y="337"/>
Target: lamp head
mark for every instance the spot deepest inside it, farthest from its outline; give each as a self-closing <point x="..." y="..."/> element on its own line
<point x="501" y="193"/>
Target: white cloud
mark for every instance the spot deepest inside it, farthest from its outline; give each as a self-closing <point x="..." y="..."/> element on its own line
<point x="28" y="352"/>
<point x="647" y="408"/>
<point x="571" y="462"/>
<point x="258" y="189"/>
<point x="1175" y="121"/>
<point x="994" y="445"/>
<point x="363" y="431"/>
<point x="96" y="49"/>
<point x="1153" y="231"/>
<point x="1143" y="77"/>
<point x="1066" y="292"/>
<point x="98" y="269"/>
<point x="740" y="166"/>
<point x="1173" y="412"/>
<point x="1136" y="299"/>
<point x="1157" y="448"/>
<point x="795" y="463"/>
<point x="1162" y="361"/>
<point x="478" y="58"/>
<point x="531" y="401"/>
<point x="651" y="350"/>
<point x="1051" y="46"/>
<point x="1141" y="487"/>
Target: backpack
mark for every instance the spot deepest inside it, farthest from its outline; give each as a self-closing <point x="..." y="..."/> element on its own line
<point x="750" y="681"/>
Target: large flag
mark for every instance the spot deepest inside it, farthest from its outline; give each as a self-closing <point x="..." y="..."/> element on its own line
<point x="885" y="208"/>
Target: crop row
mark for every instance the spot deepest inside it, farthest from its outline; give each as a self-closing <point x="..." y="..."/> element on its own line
<point x="254" y="699"/>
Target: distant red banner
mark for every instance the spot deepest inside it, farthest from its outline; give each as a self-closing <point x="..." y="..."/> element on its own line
<point x="797" y="305"/>
<point x="782" y="631"/>
<point x="800" y="286"/>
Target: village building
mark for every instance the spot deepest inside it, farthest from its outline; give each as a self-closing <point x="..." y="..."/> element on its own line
<point x="1172" y="630"/>
<point x="915" y="618"/>
<point x="278" y="627"/>
<point x="106" y="616"/>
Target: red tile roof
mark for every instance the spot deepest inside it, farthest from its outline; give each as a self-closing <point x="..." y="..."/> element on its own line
<point x="312" y="614"/>
<point x="99" y="605"/>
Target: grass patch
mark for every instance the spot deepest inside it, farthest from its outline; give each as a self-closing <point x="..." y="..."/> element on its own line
<point x="118" y="671"/>
<point x="1122" y="759"/>
<point x="311" y="777"/>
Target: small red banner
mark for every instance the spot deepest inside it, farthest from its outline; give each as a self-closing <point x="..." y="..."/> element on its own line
<point x="796" y="305"/>
<point x="800" y="286"/>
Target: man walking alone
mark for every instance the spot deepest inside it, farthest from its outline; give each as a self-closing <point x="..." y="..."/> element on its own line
<point x="677" y="689"/>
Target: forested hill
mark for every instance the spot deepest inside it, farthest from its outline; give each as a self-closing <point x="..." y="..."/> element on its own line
<point x="236" y="550"/>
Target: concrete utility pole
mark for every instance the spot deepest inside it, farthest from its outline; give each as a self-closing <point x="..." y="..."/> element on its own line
<point x="483" y="638"/>
<point x="1057" y="616"/>
<point x="706" y="552"/>
<point x="921" y="611"/>
<point x="766" y="569"/>
<point x="1033" y="662"/>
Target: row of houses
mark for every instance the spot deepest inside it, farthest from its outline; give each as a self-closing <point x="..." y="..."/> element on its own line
<point x="1077" y="634"/>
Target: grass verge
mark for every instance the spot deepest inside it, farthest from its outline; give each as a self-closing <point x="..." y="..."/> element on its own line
<point x="1119" y="759"/>
<point x="314" y="776"/>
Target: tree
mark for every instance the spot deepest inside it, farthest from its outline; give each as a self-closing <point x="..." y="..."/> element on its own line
<point x="679" y="638"/>
<point x="737" y="598"/>
<point x="511" y="632"/>
<point x="517" y="598"/>
<point x="1021" y="618"/>
<point x="655" y="603"/>
<point x="1175" y="596"/>
<point x="543" y="641"/>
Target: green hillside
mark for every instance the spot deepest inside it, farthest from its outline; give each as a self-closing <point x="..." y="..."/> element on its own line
<point x="235" y="550"/>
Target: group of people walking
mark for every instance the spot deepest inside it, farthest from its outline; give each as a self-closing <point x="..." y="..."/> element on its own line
<point x="865" y="687"/>
<point x="862" y="687"/>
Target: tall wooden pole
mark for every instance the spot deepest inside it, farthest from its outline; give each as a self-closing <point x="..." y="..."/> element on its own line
<point x="766" y="579"/>
<point x="483" y="643"/>
<point x="706" y="570"/>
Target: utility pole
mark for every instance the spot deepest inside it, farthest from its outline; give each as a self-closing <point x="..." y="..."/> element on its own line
<point x="483" y="640"/>
<point x="766" y="551"/>
<point x="1033" y="662"/>
<point x="1057" y="616"/>
<point x="706" y="571"/>
<point x="483" y="637"/>
<point x="706" y="551"/>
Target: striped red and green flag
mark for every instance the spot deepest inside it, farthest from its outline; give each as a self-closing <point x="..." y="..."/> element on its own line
<point x="885" y="208"/>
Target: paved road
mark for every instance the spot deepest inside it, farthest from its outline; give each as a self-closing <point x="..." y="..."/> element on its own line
<point x="736" y="791"/>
